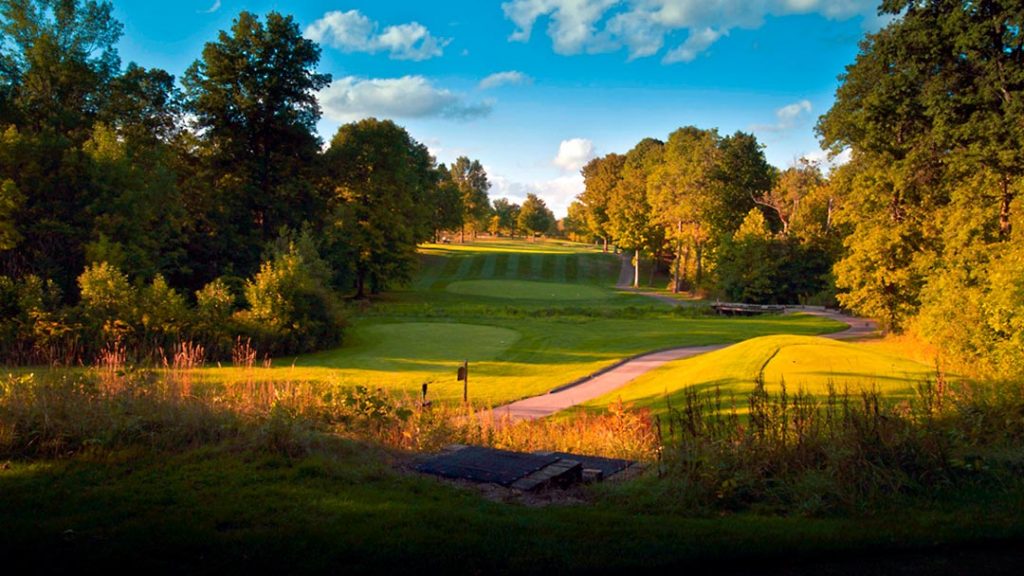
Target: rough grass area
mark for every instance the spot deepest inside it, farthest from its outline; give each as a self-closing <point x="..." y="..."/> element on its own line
<point x="528" y="290"/>
<point x="803" y="363"/>
<point x="346" y="509"/>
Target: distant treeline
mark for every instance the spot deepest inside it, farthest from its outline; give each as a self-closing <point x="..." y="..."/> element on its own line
<point x="920" y="229"/>
<point x="135" y="211"/>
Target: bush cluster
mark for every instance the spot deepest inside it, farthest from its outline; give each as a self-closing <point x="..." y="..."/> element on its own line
<point x="287" y="307"/>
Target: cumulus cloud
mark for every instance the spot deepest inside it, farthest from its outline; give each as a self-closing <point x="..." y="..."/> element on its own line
<point x="352" y="31"/>
<point x="557" y="193"/>
<point x="643" y="27"/>
<point x="574" y="153"/>
<point x="786" y="117"/>
<point x="351" y="98"/>
<point x="510" y="77"/>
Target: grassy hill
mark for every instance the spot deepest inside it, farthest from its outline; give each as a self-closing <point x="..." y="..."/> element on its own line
<point x="803" y="363"/>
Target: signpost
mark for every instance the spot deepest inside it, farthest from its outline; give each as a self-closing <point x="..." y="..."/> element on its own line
<point x="463" y="375"/>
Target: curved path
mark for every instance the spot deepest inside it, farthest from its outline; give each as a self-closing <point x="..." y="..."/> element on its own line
<point x="625" y="372"/>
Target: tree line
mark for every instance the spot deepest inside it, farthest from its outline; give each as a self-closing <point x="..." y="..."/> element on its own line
<point x="714" y="212"/>
<point x="137" y="210"/>
<point x="921" y="229"/>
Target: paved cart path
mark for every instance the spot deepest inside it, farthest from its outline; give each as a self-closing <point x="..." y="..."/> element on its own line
<point x="625" y="372"/>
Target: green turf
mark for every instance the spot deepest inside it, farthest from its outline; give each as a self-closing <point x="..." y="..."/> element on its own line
<point x="803" y="363"/>
<point x="529" y="290"/>
<point x="522" y="335"/>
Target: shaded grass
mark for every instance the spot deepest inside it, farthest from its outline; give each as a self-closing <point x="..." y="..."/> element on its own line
<point x="528" y="290"/>
<point x="217" y="510"/>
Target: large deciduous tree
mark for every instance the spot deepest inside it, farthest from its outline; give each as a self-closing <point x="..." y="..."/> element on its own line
<point x="681" y="192"/>
<point x="379" y="178"/>
<point x="471" y="178"/>
<point x="601" y="176"/>
<point x="57" y="62"/>
<point x="630" y="220"/>
<point x="253" y="95"/>
<point x="534" y="216"/>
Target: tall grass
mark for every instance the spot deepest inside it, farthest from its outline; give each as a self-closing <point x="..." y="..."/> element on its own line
<point x="787" y="452"/>
<point x="799" y="453"/>
<point x="113" y="406"/>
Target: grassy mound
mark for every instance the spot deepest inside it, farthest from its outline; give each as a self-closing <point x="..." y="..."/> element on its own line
<point x="528" y="290"/>
<point x="805" y="363"/>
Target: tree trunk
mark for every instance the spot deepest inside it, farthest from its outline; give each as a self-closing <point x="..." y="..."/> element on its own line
<point x="1005" y="225"/>
<point x="679" y="241"/>
<point x="699" y="264"/>
<point x="360" y="285"/>
<point x="605" y="239"/>
<point x="462" y="233"/>
<point x="686" y="263"/>
<point x="654" y="268"/>
<point x="636" y="269"/>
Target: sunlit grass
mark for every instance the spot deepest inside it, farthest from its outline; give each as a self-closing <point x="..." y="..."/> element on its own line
<point x="803" y="363"/>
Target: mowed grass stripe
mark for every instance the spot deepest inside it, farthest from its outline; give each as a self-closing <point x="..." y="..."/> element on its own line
<point x="451" y="268"/>
<point x="465" y="263"/>
<point x="560" y="275"/>
<point x="523" y="270"/>
<point x="430" y="267"/>
<point x="572" y="267"/>
<point x="490" y="261"/>
<point x="536" y="265"/>
<point x="477" y="266"/>
<point x="547" y="267"/>
<point x="512" y="266"/>
<point x="500" y="265"/>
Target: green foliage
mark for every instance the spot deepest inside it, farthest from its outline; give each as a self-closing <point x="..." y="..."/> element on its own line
<point x="471" y="179"/>
<point x="507" y="214"/>
<point x="757" y="267"/>
<point x="601" y="177"/>
<point x="10" y="201"/>
<point x="163" y="313"/>
<point x="534" y="216"/>
<point x="108" y="299"/>
<point x="379" y="177"/>
<point x="253" y="94"/>
<point x="290" y="307"/>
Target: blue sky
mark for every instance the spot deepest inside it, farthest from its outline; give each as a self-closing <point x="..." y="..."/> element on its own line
<point x="534" y="88"/>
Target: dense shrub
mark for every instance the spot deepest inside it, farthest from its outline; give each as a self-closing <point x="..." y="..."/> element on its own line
<point x="758" y="267"/>
<point x="291" y="309"/>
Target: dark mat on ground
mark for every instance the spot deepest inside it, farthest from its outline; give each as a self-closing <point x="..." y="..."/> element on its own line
<point x="481" y="464"/>
<point x="607" y="466"/>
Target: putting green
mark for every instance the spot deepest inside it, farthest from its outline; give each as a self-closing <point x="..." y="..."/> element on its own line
<point x="416" y="345"/>
<point x="527" y="290"/>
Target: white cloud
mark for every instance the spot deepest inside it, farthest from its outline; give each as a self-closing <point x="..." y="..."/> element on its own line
<point x="643" y="26"/>
<point x="697" y="42"/>
<point x="572" y="21"/>
<point x="351" y="98"/>
<point x="822" y="158"/>
<point x="786" y="117"/>
<point x="574" y="153"/>
<point x="510" y="77"/>
<point x="352" y="31"/>
<point x="211" y="9"/>
<point x="557" y="193"/>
